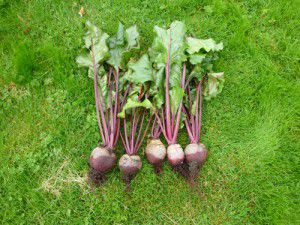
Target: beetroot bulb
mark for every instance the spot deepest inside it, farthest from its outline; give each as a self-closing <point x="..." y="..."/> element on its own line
<point x="105" y="68"/>
<point x="201" y="53"/>
<point x="133" y="118"/>
<point x="169" y="44"/>
<point x="102" y="158"/>
<point x="196" y="152"/>
<point x="155" y="149"/>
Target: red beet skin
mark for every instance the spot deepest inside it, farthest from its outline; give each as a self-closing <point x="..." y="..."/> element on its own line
<point x="102" y="160"/>
<point x="156" y="152"/>
<point x="196" y="153"/>
<point x="175" y="154"/>
<point x="130" y="164"/>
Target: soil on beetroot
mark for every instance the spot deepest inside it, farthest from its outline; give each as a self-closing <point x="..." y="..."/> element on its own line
<point x="96" y="178"/>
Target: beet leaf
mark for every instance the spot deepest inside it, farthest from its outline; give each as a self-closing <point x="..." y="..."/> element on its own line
<point x="106" y="59"/>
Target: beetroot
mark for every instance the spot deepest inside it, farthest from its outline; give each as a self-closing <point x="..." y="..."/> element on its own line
<point x="129" y="166"/>
<point x="169" y="50"/>
<point x="134" y="109"/>
<point x="196" y="155"/>
<point x="156" y="153"/>
<point x="201" y="54"/>
<point x="101" y="161"/>
<point x="175" y="154"/>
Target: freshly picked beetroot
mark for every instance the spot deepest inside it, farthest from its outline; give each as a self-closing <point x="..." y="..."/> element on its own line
<point x="196" y="153"/>
<point x="175" y="154"/>
<point x="156" y="153"/>
<point x="168" y="52"/>
<point x="202" y="82"/>
<point x="133" y="117"/>
<point x="102" y="160"/>
<point x="104" y="66"/>
<point x="130" y="165"/>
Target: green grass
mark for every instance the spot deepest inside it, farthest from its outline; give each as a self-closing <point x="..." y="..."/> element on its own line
<point x="48" y="126"/>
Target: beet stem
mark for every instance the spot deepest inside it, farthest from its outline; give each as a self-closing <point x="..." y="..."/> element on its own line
<point x="144" y="134"/>
<point x="111" y="111"/>
<point x="200" y="111"/>
<point x="139" y="133"/>
<point x="180" y="106"/>
<point x="167" y="96"/>
<point x="153" y="127"/>
<point x="126" y="136"/>
<point x="160" y="124"/>
<point x="196" y="132"/>
<point x="99" y="102"/>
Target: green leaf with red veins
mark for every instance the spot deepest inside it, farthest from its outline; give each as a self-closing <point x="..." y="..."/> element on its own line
<point x="159" y="84"/>
<point x="118" y="39"/>
<point x="214" y="85"/>
<point x="195" y="45"/>
<point x="100" y="48"/>
<point x="130" y="104"/>
<point x="175" y="75"/>
<point x="176" y="95"/>
<point x="197" y="58"/>
<point x="141" y="70"/>
<point x="100" y="70"/>
<point x="178" y="42"/>
<point x="198" y="73"/>
<point x="159" y="99"/>
<point x="161" y="44"/>
<point x="157" y="88"/>
<point x="94" y="39"/>
<point x="115" y="59"/>
<point x="85" y="60"/>
<point x="159" y="56"/>
<point x="121" y="45"/>
<point x="120" y="35"/>
<point x="96" y="44"/>
<point x="132" y="37"/>
<point x="93" y="32"/>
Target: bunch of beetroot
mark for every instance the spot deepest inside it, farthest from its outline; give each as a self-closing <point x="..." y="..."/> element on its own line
<point x="160" y="92"/>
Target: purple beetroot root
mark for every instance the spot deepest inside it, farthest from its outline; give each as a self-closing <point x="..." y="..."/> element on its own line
<point x="101" y="161"/>
<point x="156" y="153"/>
<point x="195" y="155"/>
<point x="129" y="165"/>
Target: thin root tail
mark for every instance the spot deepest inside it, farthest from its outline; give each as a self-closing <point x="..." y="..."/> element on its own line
<point x="127" y="178"/>
<point x="158" y="168"/>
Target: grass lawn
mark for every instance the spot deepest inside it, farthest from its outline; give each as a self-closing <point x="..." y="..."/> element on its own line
<point x="48" y="125"/>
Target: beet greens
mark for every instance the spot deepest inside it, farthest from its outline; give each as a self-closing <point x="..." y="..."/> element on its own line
<point x="133" y="116"/>
<point x="201" y="54"/>
<point x="106" y="62"/>
<point x="135" y="109"/>
<point x="167" y="56"/>
<point x="170" y="82"/>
